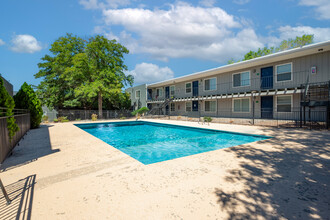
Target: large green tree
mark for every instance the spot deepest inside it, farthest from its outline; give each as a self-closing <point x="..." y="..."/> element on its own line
<point x="284" y="45"/>
<point x="81" y="73"/>
<point x="26" y="98"/>
<point x="55" y="90"/>
<point x="99" y="71"/>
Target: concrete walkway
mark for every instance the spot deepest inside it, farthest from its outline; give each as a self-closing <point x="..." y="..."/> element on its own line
<point x="61" y="172"/>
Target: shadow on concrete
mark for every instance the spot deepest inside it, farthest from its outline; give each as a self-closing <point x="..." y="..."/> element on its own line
<point x="291" y="180"/>
<point x="35" y="144"/>
<point x="21" y="195"/>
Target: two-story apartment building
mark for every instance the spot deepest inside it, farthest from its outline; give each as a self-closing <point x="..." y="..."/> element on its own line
<point x="274" y="86"/>
<point x="288" y="85"/>
<point x="138" y="96"/>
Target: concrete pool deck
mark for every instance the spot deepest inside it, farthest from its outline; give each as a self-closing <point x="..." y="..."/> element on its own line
<point x="61" y="172"/>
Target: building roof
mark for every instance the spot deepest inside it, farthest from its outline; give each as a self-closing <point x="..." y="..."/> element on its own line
<point x="275" y="57"/>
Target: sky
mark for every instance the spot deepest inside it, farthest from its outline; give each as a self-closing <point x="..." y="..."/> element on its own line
<point x="166" y="39"/>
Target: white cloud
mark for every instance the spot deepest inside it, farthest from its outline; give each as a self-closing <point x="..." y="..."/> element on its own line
<point x="207" y="3"/>
<point x="103" y="4"/>
<point x="241" y="2"/>
<point x="25" y="44"/>
<point x="320" y="34"/>
<point x="149" y="73"/>
<point x="322" y="7"/>
<point x="183" y="31"/>
<point x="1" y="42"/>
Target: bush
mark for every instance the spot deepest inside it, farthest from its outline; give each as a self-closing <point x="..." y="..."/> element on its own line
<point x="26" y="98"/>
<point x="207" y="119"/>
<point x="63" y="119"/>
<point x="94" y="117"/>
<point x="6" y="101"/>
<point x="44" y="118"/>
<point x="55" y="120"/>
<point x="140" y="111"/>
<point x="122" y="118"/>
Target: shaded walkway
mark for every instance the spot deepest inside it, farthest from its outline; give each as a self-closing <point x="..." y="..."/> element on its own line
<point x="291" y="180"/>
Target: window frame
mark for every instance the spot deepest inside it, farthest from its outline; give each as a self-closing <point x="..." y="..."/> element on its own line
<point x="290" y="103"/>
<point x="171" y="107"/>
<point x="215" y="84"/>
<point x="139" y="90"/>
<point x="186" y="106"/>
<point x="173" y="86"/>
<point x="276" y="66"/>
<point x="233" y="109"/>
<point x="190" y="88"/>
<point x="216" y="107"/>
<point x="241" y="81"/>
<point x="159" y="96"/>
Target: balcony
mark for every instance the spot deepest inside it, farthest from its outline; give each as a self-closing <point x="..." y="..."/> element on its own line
<point x="228" y="89"/>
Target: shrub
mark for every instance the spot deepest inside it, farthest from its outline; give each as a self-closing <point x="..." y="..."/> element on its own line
<point x="63" y="119"/>
<point x="140" y="111"/>
<point x="26" y="98"/>
<point x="94" y="117"/>
<point x="55" y="120"/>
<point x="122" y="118"/>
<point x="207" y="119"/>
<point x="6" y="101"/>
<point x="44" y="118"/>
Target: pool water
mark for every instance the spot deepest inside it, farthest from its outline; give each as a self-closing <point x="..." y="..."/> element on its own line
<point x="150" y="142"/>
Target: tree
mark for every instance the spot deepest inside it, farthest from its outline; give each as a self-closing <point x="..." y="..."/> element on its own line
<point x="26" y="98"/>
<point x="99" y="71"/>
<point x="7" y="102"/>
<point x="55" y="90"/>
<point x="284" y="45"/>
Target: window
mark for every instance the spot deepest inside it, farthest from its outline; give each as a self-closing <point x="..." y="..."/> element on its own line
<point x="188" y="106"/>
<point x="188" y="87"/>
<point x="241" y="79"/>
<point x="241" y="105"/>
<point x="137" y="94"/>
<point x="172" y="90"/>
<point x="210" y="84"/>
<point x="210" y="106"/>
<point x="284" y="103"/>
<point x="172" y="107"/>
<point x="159" y="92"/>
<point x="284" y="72"/>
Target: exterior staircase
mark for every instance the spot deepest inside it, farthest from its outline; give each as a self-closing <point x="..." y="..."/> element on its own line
<point x="159" y="109"/>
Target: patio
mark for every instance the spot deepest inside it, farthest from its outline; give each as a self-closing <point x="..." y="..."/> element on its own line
<point x="77" y="176"/>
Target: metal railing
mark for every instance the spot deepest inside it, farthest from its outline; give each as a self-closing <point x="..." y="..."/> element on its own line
<point x="22" y="117"/>
<point x="228" y="86"/>
<point x="74" y="115"/>
<point x="315" y="118"/>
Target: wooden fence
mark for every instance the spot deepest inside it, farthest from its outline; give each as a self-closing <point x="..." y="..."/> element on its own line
<point x="6" y="145"/>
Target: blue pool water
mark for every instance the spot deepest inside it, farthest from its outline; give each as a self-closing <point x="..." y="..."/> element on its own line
<point x="150" y="142"/>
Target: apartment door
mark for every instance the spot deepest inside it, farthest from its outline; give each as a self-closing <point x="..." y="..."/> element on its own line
<point x="267" y="106"/>
<point x="149" y="94"/>
<point x="167" y="92"/>
<point x="195" y="88"/>
<point x="267" y="78"/>
<point x="195" y="106"/>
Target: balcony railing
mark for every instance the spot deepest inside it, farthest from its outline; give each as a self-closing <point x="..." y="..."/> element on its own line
<point x="253" y="84"/>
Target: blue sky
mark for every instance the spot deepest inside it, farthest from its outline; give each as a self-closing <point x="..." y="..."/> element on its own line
<point x="166" y="38"/>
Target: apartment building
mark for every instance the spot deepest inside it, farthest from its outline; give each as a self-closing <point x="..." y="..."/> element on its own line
<point x="138" y="96"/>
<point x="291" y="84"/>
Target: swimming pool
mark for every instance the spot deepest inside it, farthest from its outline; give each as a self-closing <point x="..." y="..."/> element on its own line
<point x="150" y="142"/>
